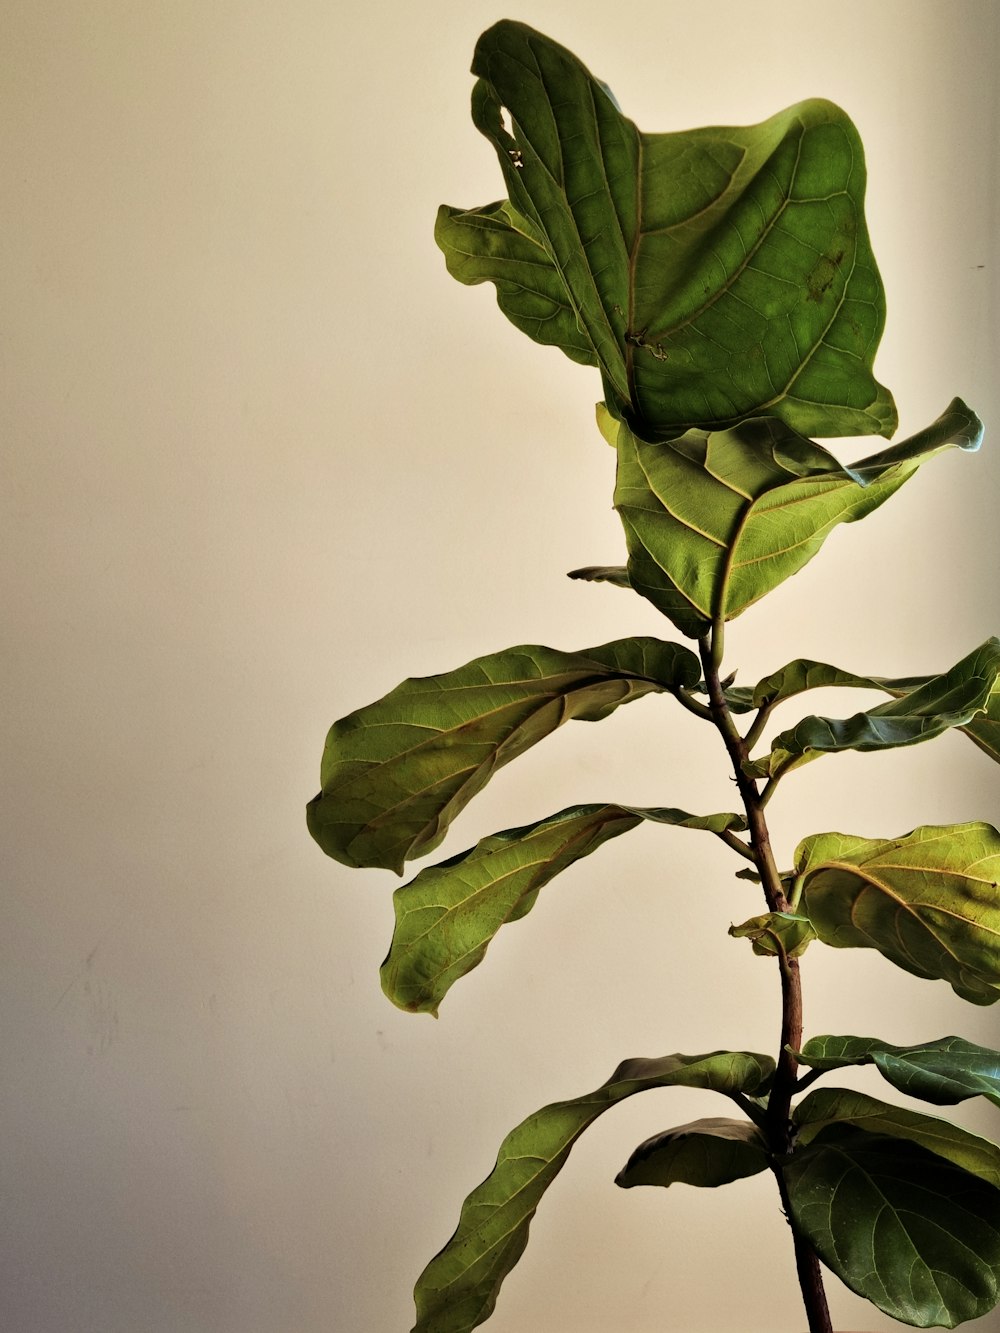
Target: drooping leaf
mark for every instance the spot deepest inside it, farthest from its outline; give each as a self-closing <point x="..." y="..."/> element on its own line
<point x="899" y="1224"/>
<point x="715" y="273"/>
<point x="945" y="1072"/>
<point x="708" y="1153"/>
<point x="838" y="1107"/>
<point x="715" y="520"/>
<point x="928" y="901"/>
<point x="458" y="1289"/>
<point x="921" y="712"/>
<point x="775" y="932"/>
<point x="395" y="773"/>
<point x="447" y="916"/>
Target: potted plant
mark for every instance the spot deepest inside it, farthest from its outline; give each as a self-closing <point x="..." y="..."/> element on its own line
<point x="722" y="282"/>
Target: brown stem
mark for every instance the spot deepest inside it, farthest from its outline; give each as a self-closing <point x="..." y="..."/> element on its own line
<point x="777" y="1125"/>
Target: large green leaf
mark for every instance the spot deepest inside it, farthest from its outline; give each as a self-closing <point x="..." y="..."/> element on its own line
<point x="715" y="520"/>
<point x="899" y="1221"/>
<point x="919" y="713"/>
<point x="944" y="1072"/>
<point x="447" y="916"/>
<point x="713" y="274"/>
<point x="458" y="1289"/>
<point x="928" y="901"/>
<point x="837" y="1107"/>
<point x="707" y="1153"/>
<point x="395" y="773"/>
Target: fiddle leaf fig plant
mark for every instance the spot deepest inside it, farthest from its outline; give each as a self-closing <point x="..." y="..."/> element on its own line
<point x="722" y="282"/>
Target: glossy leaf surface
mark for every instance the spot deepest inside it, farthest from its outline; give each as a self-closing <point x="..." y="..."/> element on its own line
<point x="713" y="274"/>
<point x="395" y="773"/>
<point x="928" y="901"/>
<point x="715" y="520"/>
<point x="448" y="914"/>
<point x="458" y="1289"/>
<point x="945" y="1072"/>
<point x="826" y="1107"/>
<point x="707" y="1153"/>
<point x="885" y="1203"/>
<point x="924" y="710"/>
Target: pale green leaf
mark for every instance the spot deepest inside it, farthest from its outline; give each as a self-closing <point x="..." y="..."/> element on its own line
<point x="447" y="916"/>
<point x="715" y="273"/>
<point x="395" y="773"/>
<point x="928" y="901"/>
<point x="905" y="1228"/>
<point x="776" y="932"/>
<point x="945" y="1071"/>
<point x="714" y="520"/>
<point x="920" y="712"/>
<point x="707" y="1153"/>
<point x="458" y="1289"/>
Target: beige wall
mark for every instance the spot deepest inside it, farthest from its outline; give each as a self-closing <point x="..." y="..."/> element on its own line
<point x="261" y="459"/>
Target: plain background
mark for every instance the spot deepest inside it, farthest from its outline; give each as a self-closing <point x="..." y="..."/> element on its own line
<point x="262" y="458"/>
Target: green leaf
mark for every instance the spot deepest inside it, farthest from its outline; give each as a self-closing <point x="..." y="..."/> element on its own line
<point x="903" y="1227"/>
<point x="706" y="1153"/>
<point x="395" y="773"/>
<point x="944" y="1072"/>
<point x="616" y="575"/>
<point x="458" y="1289"/>
<point x="714" y="520"/>
<point x="927" y="901"/>
<point x="776" y="932"/>
<point x="714" y="273"/>
<point x="826" y="1107"/>
<point x="925" y="710"/>
<point x="497" y="244"/>
<point x="447" y="916"/>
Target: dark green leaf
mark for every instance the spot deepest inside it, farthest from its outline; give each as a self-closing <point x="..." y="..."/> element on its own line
<point x="448" y="914"/>
<point x="914" y="1234"/>
<point x="395" y="773"/>
<point x="714" y="273"/>
<point x="715" y="520"/>
<point x="836" y="1107"/>
<point x="928" y="901"/>
<point x="458" y="1289"/>
<point x="707" y="1153"/>
<point x="944" y="1072"/>
<point x="776" y="932"/>
<point x="925" y="710"/>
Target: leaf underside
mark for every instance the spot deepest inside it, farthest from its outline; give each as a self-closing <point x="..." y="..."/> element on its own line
<point x="928" y="901"/>
<point x="921" y="711"/>
<point x="395" y="774"/>
<point x="447" y="916"/>
<point x="716" y="520"/>
<point x="711" y="274"/>
<point x="458" y="1289"/>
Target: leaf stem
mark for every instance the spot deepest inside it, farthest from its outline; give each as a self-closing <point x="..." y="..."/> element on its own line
<point x="692" y="705"/>
<point x="777" y="1121"/>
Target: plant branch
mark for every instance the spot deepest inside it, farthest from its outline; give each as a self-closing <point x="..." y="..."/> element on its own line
<point x="733" y="840"/>
<point x="692" y="705"/>
<point x="777" y="1121"/>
